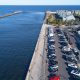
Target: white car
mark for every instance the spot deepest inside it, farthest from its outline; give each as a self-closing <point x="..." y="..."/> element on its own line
<point x="51" y="47"/>
<point x="66" y="49"/>
<point x="72" y="65"/>
<point x="76" y="73"/>
<point x="52" y="55"/>
<point x="51" y="35"/>
<point x="60" y="35"/>
<point x="54" y="67"/>
<point x="52" y="40"/>
<point x="75" y="50"/>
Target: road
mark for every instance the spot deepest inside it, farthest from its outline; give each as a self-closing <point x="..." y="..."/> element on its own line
<point x="61" y="63"/>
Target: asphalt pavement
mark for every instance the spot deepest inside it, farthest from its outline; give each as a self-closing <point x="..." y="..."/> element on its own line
<point x="61" y="62"/>
<point x="62" y="69"/>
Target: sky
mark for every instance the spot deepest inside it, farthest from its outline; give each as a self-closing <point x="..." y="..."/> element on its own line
<point x="39" y="2"/>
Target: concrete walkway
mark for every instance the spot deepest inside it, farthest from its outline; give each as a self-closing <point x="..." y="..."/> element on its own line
<point x="37" y="67"/>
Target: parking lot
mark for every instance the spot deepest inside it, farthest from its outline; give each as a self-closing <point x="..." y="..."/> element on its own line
<point x="62" y="55"/>
<point x="72" y="38"/>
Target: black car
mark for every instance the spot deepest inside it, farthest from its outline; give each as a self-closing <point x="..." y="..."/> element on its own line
<point x="58" y="30"/>
<point x="68" y="53"/>
<point x="52" y="74"/>
<point x="63" y="43"/>
<point x="52" y="60"/>
<point x="51" y="51"/>
<point x="71" y="59"/>
<point x="51" y="63"/>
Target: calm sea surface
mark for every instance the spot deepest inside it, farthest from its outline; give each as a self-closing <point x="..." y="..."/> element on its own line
<point x="18" y="37"/>
<point x="38" y="8"/>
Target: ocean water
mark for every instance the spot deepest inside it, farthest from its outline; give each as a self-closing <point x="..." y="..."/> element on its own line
<point x="43" y="8"/>
<point x="18" y="37"/>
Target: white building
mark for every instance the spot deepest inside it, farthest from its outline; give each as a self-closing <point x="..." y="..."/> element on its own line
<point x="67" y="18"/>
<point x="66" y="15"/>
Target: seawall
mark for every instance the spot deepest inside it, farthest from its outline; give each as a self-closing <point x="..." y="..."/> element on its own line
<point x="37" y="70"/>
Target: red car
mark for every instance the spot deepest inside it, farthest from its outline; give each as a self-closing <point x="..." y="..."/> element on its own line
<point x="55" y="78"/>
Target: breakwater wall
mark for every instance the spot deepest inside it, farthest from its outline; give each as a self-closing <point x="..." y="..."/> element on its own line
<point x="10" y="14"/>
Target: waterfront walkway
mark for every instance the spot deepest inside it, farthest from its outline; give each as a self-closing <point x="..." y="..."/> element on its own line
<point x="37" y="67"/>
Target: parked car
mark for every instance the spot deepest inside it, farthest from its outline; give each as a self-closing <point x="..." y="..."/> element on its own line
<point x="72" y="65"/>
<point x="51" y="35"/>
<point x="51" y="52"/>
<point x="52" y="62"/>
<point x="53" y="66"/>
<point x="50" y="32"/>
<point x="76" y="73"/>
<point x="68" y="53"/>
<point x="52" y="70"/>
<point x="51" y="47"/>
<point x="51" y="39"/>
<point x="52" y="74"/>
<point x="66" y="49"/>
<point x="64" y="43"/>
<point x="60" y="35"/>
<point x="51" y="55"/>
<point x="62" y="39"/>
<point x="76" y="51"/>
<point x="55" y="78"/>
<point x="70" y="58"/>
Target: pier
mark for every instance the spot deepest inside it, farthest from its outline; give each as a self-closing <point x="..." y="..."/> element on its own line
<point x="37" y="69"/>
